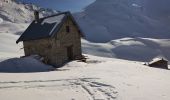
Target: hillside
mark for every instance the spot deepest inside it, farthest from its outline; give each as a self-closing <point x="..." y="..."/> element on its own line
<point x="135" y="49"/>
<point x="124" y="46"/>
<point x="17" y="12"/>
<point x="107" y="77"/>
<point x="14" y="19"/>
<point x="116" y="19"/>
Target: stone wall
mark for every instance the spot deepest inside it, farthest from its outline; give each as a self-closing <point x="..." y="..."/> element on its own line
<point x="55" y="49"/>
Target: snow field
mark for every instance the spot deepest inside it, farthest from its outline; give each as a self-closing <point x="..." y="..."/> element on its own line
<point x="99" y="79"/>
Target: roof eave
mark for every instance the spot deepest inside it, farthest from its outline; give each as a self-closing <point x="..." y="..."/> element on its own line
<point x="34" y="39"/>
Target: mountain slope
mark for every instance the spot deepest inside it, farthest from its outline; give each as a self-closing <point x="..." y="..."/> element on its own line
<point x="14" y="19"/>
<point x="133" y="48"/>
<point x="116" y="19"/>
<point x="13" y="11"/>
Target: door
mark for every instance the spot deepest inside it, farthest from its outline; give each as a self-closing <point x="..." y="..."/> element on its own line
<point x="70" y="52"/>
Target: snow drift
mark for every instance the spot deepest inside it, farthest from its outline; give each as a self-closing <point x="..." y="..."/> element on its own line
<point x="135" y="49"/>
<point x="22" y="65"/>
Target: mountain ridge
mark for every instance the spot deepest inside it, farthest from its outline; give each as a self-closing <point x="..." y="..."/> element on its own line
<point x="18" y="12"/>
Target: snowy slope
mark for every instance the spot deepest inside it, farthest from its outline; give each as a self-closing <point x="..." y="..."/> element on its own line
<point x="157" y="9"/>
<point x="14" y="19"/>
<point x="9" y="33"/>
<point x="116" y="19"/>
<point x="134" y="48"/>
<point x="98" y="79"/>
<point x="127" y="29"/>
<point x="13" y="11"/>
<point x="138" y="49"/>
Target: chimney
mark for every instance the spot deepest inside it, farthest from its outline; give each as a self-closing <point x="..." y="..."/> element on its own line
<point x="36" y="15"/>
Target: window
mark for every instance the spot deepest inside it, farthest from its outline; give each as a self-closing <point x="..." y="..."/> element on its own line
<point x="79" y="31"/>
<point x="67" y="29"/>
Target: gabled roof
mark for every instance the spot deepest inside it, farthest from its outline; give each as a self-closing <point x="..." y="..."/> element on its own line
<point x="46" y="27"/>
<point x="157" y="59"/>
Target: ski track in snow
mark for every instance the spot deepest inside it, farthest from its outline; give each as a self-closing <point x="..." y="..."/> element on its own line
<point x="93" y="89"/>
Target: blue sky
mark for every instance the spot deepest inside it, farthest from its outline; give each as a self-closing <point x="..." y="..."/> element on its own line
<point x="62" y="5"/>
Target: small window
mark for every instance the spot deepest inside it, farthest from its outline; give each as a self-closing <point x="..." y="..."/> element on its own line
<point x="79" y="31"/>
<point x="67" y="29"/>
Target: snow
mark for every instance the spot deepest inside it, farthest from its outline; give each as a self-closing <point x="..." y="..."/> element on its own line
<point x="157" y="59"/>
<point x="117" y="19"/>
<point x="16" y="12"/>
<point x="27" y="64"/>
<point x="12" y="28"/>
<point x="101" y="78"/>
<point x="55" y="19"/>
<point x="138" y="49"/>
<point x="129" y="48"/>
<point x="135" y="49"/>
<point x="8" y="46"/>
<point x="9" y="33"/>
<point x="1" y="20"/>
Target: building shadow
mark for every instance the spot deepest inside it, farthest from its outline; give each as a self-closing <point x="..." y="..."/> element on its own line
<point x="24" y="65"/>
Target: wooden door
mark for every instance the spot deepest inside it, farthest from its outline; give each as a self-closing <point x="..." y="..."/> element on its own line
<point x="70" y="52"/>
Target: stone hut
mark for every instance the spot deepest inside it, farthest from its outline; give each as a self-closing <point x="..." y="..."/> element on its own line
<point x="57" y="38"/>
<point x="159" y="63"/>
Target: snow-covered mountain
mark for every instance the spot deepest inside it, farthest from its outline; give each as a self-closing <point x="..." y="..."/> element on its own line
<point x="17" y="12"/>
<point x="116" y="21"/>
<point x="99" y="78"/>
<point x="104" y="20"/>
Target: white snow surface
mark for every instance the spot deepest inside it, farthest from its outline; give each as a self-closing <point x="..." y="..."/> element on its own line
<point x="157" y="59"/>
<point x="1" y="20"/>
<point x="138" y="49"/>
<point x="9" y="33"/>
<point x="135" y="49"/>
<point x="101" y="78"/>
<point x="21" y="65"/>
<point x="54" y="19"/>
<point x="18" y="12"/>
<point x="130" y="48"/>
<point x="98" y="79"/>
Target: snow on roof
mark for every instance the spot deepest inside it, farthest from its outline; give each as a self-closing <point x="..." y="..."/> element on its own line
<point x="156" y="60"/>
<point x="45" y="27"/>
<point x="54" y="19"/>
